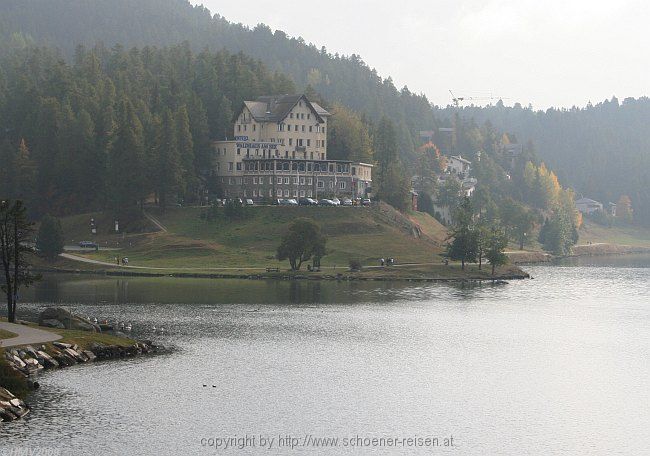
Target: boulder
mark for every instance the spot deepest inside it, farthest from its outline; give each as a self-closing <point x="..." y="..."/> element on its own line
<point x="62" y="318"/>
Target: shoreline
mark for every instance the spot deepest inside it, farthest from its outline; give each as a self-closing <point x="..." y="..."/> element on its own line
<point x="348" y="276"/>
<point x="22" y="364"/>
<point x="524" y="257"/>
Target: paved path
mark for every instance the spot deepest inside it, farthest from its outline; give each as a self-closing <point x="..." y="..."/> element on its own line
<point x="72" y="257"/>
<point x="26" y="335"/>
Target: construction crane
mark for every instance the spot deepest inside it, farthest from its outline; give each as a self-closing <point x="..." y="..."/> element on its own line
<point x="458" y="100"/>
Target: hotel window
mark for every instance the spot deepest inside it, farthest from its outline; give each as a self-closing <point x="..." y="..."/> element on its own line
<point x="238" y="166"/>
<point x="270" y="192"/>
<point x="231" y="181"/>
<point x="295" y="193"/>
<point x="309" y="117"/>
<point x="254" y="127"/>
<point x="323" y="129"/>
<point x="295" y="181"/>
<point x="245" y="181"/>
<point x="279" y="193"/>
<point x="245" y="194"/>
<point x="302" y="181"/>
<point x="296" y="128"/>
<point x="331" y="184"/>
<point x="254" y="193"/>
<point x="302" y="193"/>
<point x="300" y="142"/>
<point x="286" y="180"/>
<point x="261" y="182"/>
<point x="309" y="165"/>
<point x="342" y="185"/>
<point x="245" y="127"/>
<point x="303" y="128"/>
<point x="309" y="143"/>
<point x="302" y="116"/>
<point x="230" y="166"/>
<point x="239" y="180"/>
<point x="310" y="181"/>
<point x="238" y="151"/>
<point x="238" y="127"/>
<point x="291" y="115"/>
<point x="286" y="193"/>
<point x="291" y="141"/>
<point x="311" y="129"/>
<point x="279" y="180"/>
<point x="321" y="184"/>
<point x="254" y="181"/>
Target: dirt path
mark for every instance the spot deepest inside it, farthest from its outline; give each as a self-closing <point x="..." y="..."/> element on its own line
<point x="156" y="222"/>
<point x="26" y="335"/>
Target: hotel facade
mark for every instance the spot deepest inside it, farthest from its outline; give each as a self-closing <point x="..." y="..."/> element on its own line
<point x="279" y="150"/>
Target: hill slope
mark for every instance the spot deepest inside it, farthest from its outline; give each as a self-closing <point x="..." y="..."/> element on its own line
<point x="365" y="234"/>
<point x="68" y="23"/>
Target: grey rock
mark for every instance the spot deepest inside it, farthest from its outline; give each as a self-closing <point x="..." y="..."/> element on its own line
<point x="63" y="316"/>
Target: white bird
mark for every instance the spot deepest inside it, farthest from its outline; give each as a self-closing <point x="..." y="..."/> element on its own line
<point x="128" y="327"/>
<point x="154" y="328"/>
<point x="95" y="320"/>
<point x="121" y="326"/>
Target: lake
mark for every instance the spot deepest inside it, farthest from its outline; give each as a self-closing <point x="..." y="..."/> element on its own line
<point x="556" y="365"/>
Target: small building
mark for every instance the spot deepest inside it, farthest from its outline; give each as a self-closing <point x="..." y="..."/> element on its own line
<point x="414" y="200"/>
<point x="459" y="166"/>
<point x="588" y="206"/>
<point x="611" y="209"/>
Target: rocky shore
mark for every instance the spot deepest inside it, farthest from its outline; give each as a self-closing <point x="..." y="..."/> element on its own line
<point x="27" y="361"/>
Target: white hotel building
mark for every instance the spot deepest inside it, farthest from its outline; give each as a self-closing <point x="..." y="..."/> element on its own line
<point x="279" y="150"/>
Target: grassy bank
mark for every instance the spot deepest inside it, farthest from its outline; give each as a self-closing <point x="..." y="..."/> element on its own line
<point x="359" y="233"/>
<point x="6" y="334"/>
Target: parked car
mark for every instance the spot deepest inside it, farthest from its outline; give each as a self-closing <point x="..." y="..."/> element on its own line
<point x="346" y="202"/>
<point x="88" y="245"/>
<point x="366" y="202"/>
<point x="326" y="202"/>
<point x="292" y="202"/>
<point x="249" y="202"/>
<point x="336" y="201"/>
<point x="307" y="202"/>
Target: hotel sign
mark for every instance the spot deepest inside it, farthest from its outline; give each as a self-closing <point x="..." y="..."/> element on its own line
<point x="257" y="145"/>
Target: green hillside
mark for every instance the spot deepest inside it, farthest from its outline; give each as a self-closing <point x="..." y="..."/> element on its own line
<point x="364" y="234"/>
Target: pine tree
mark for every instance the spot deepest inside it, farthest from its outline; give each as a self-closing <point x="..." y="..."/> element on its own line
<point x="50" y="240"/>
<point x="126" y="184"/>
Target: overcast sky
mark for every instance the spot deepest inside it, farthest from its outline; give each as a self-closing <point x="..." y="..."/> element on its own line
<point x="543" y="52"/>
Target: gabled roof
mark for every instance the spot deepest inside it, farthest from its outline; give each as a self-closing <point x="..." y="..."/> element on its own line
<point x="461" y="159"/>
<point x="277" y="108"/>
<point x="587" y="201"/>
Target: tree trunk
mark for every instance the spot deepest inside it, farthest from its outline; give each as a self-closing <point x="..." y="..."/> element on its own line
<point x="521" y="243"/>
<point x="492" y="268"/>
<point x="462" y="264"/>
<point x="480" y="261"/>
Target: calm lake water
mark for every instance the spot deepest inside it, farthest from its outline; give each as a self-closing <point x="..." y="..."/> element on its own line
<point x="558" y="365"/>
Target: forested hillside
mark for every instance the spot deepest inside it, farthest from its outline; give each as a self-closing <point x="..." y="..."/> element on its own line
<point x="602" y="150"/>
<point x="115" y="125"/>
<point x="345" y="79"/>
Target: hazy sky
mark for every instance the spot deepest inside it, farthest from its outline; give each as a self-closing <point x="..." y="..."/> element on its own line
<point x="544" y="52"/>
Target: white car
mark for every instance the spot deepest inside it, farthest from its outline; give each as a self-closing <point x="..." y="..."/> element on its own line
<point x="336" y="201"/>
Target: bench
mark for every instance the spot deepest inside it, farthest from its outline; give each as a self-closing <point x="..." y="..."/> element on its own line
<point x="272" y="269"/>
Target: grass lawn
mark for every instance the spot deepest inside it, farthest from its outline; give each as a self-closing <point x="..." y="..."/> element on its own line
<point x="364" y="234"/>
<point x="624" y="235"/>
<point x="82" y="338"/>
<point x="6" y="334"/>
